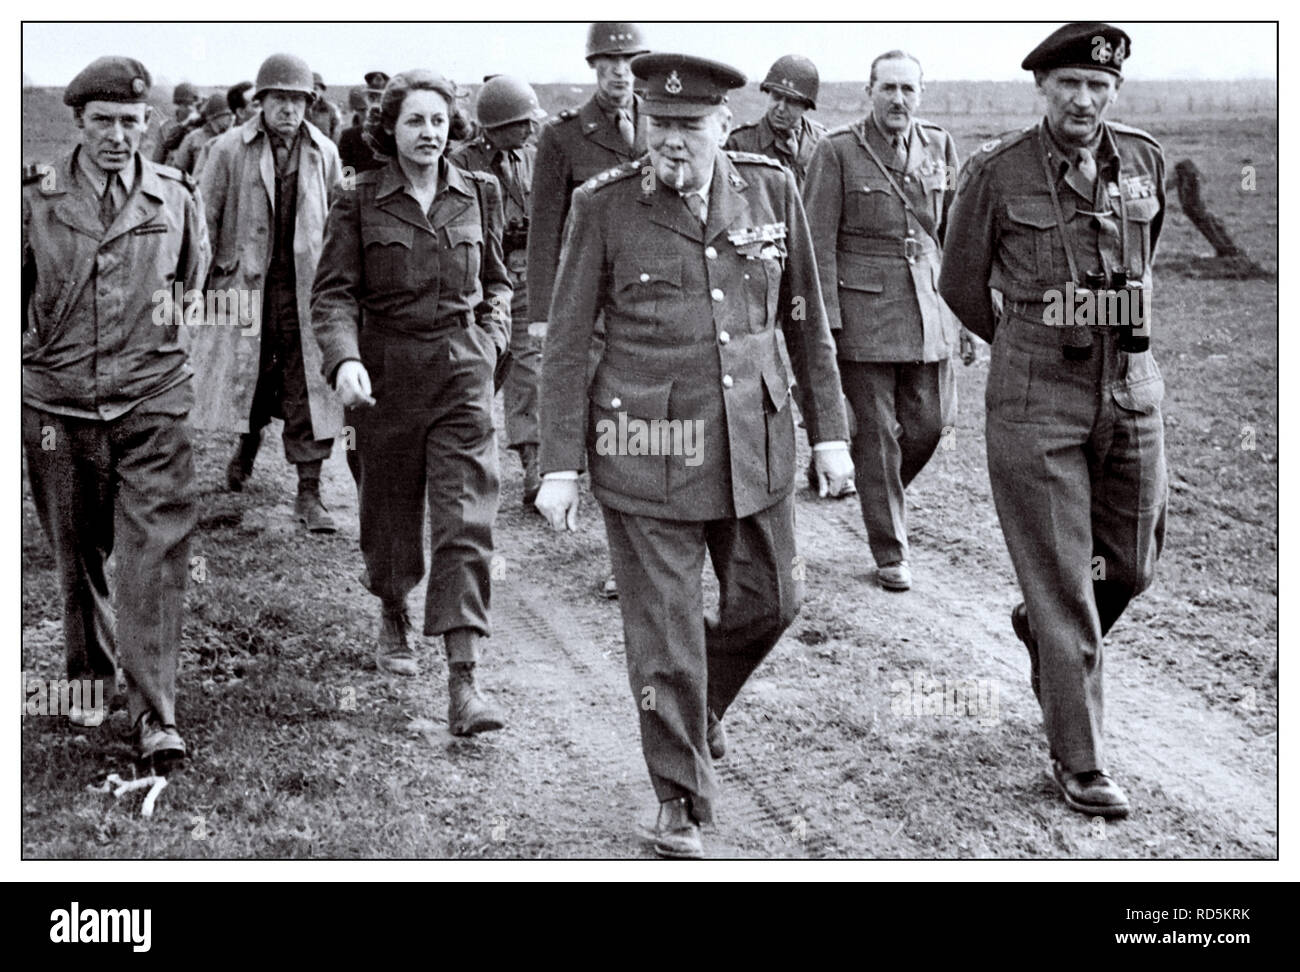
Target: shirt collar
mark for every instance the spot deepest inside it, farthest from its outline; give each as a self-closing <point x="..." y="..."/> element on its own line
<point x="703" y="190"/>
<point x="98" y="178"/>
<point x="1103" y="148"/>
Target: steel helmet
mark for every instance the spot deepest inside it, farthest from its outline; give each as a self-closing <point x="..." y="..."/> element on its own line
<point x="285" y="72"/>
<point x="505" y="100"/>
<point x="185" y="94"/>
<point x="794" y="76"/>
<point x="615" y="37"/>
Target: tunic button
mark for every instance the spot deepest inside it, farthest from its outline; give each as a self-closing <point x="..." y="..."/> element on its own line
<point x="726" y="381"/>
<point x="723" y="337"/>
<point x="645" y="277"/>
<point x="717" y="294"/>
<point x="711" y="253"/>
<point x="911" y="232"/>
<point x="615" y="403"/>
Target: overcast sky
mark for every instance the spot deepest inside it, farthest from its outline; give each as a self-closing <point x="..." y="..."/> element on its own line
<point x="220" y="54"/>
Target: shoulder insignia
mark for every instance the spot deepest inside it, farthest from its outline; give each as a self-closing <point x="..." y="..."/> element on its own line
<point x="1003" y="142"/>
<point x="839" y="131"/>
<point x="566" y="114"/>
<point x="621" y="171"/>
<point x="753" y="158"/>
<point x="1122" y="129"/>
<point x="176" y="175"/>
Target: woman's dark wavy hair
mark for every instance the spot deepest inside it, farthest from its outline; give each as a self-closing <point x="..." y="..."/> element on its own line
<point x="380" y="127"/>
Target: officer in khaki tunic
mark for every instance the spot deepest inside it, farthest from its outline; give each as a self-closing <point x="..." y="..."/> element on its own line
<point x="785" y="132"/>
<point x="106" y="389"/>
<point x="576" y="145"/>
<point x="693" y="257"/>
<point x="1070" y="206"/>
<point x="877" y="194"/>
<point x="508" y="114"/>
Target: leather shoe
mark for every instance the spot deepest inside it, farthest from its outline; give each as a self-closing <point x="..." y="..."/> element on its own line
<point x="312" y="514"/>
<point x="1020" y="625"/>
<point x="468" y="712"/>
<point x="717" y="737"/>
<point x="237" y="472"/>
<point x="609" y="589"/>
<point x="895" y="577"/>
<point x="154" y="741"/>
<point x="1093" y="792"/>
<point x="394" y="653"/>
<point x="677" y="835"/>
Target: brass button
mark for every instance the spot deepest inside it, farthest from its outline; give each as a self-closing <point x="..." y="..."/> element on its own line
<point x="726" y="381"/>
<point x="615" y="403"/>
<point x="911" y="232"/>
<point x="645" y="277"/>
<point x="717" y="294"/>
<point x="723" y="337"/>
<point x="711" y="253"/>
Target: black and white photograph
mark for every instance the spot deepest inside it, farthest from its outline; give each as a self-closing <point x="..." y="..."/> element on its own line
<point x="637" y="441"/>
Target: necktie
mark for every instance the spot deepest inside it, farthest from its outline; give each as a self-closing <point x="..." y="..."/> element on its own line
<point x="1086" y="165"/>
<point x="698" y="206"/>
<point x="900" y="151"/>
<point x="107" y="206"/>
<point x="625" y="127"/>
<point x="790" y="144"/>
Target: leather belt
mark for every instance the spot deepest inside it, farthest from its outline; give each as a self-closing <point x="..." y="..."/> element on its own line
<point x="911" y="248"/>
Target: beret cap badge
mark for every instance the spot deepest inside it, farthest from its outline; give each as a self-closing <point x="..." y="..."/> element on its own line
<point x="137" y="85"/>
<point x="674" y="84"/>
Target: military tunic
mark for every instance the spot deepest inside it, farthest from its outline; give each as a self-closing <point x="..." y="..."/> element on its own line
<point x="515" y="176"/>
<point x="879" y="265"/>
<point x="760" y="137"/>
<point x="575" y="146"/>
<point x="693" y="316"/>
<point x="106" y="389"/>
<point x="1075" y="448"/>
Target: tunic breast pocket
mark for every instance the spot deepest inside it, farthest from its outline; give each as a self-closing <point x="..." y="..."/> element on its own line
<point x="1031" y="233"/>
<point x="1137" y="226"/>
<point x="387" y="254"/>
<point x="869" y="206"/>
<point x="649" y="288"/>
<point x="762" y="276"/>
<point x="463" y="255"/>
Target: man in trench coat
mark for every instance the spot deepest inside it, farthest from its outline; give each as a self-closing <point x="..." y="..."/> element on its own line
<point x="256" y="358"/>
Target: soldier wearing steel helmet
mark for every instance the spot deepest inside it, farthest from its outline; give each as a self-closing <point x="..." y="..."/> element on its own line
<point x="576" y="145"/>
<point x="322" y="112"/>
<point x="508" y="112"/>
<point x="785" y="132"/>
<point x="217" y="117"/>
<point x="108" y="237"/>
<point x="267" y="185"/>
<point x="1073" y="204"/>
<point x="695" y="259"/>
<point x="185" y="102"/>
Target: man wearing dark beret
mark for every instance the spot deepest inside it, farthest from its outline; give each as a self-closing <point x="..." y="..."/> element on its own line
<point x="697" y="260"/>
<point x="111" y="241"/>
<point x="1063" y="219"/>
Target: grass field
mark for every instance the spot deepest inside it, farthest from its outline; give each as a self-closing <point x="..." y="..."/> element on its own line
<point x="302" y="749"/>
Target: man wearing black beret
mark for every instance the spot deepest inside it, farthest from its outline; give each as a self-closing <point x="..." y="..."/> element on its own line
<point x="1063" y="219"/>
<point x="109" y="237"/>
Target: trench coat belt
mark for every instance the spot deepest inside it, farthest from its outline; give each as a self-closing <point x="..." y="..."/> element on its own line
<point x="908" y="249"/>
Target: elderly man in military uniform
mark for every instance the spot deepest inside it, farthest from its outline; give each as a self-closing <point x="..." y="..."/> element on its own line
<point x="266" y="184"/>
<point x="878" y="193"/>
<point x="695" y="264"/>
<point x="508" y="114"/>
<point x="573" y="147"/>
<point x="106" y="389"/>
<point x="1070" y="206"/>
<point x="217" y="117"/>
<point x="185" y="101"/>
<point x="785" y="132"/>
